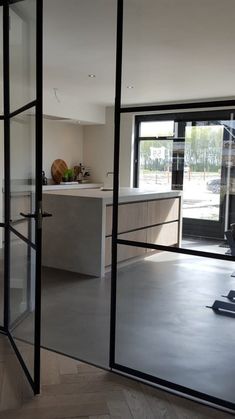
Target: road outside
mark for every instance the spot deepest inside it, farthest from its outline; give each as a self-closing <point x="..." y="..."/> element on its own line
<point x="198" y="201"/>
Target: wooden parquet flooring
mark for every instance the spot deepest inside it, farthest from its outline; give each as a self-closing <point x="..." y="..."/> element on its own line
<point x="74" y="390"/>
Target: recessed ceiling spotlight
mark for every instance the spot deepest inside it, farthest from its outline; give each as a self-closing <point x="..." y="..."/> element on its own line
<point x="92" y="76"/>
<point x="130" y="87"/>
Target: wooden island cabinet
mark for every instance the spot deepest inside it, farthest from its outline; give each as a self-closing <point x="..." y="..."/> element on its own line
<point x="78" y="237"/>
<point x="154" y="221"/>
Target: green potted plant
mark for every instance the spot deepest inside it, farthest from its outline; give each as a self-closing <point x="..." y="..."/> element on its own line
<point x="68" y="175"/>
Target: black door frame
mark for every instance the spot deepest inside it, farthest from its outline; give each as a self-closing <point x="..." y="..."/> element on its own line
<point x="7" y="225"/>
<point x="119" y="110"/>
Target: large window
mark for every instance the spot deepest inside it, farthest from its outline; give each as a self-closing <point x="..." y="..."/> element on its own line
<point x="155" y="153"/>
<point x="191" y="152"/>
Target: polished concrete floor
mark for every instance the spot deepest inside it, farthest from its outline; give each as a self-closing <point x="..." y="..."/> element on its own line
<point x="204" y="245"/>
<point x="76" y="315"/>
<point x="163" y="325"/>
<point x="165" y="329"/>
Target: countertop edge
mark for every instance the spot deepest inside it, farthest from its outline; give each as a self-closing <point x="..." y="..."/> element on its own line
<point x="125" y="197"/>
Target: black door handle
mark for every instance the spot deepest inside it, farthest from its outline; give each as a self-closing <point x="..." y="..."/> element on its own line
<point x="27" y="215"/>
<point x="44" y="214"/>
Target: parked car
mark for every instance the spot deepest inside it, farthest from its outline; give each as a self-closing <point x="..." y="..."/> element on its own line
<point x="214" y="185"/>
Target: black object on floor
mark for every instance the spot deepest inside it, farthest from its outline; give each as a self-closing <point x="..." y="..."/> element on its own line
<point x="230" y="296"/>
<point x="223" y="307"/>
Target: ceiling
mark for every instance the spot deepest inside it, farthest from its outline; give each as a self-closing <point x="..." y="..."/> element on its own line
<point x="174" y="50"/>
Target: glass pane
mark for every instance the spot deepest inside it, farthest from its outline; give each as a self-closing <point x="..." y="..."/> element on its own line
<point x="164" y="327"/>
<point x="155" y="163"/>
<point x="84" y="302"/>
<point x="22" y="298"/>
<point x="157" y="129"/>
<point x="1" y="60"/>
<point x="1" y="172"/>
<point x="202" y="174"/>
<point x="1" y="275"/>
<point x="162" y="65"/>
<point x="22" y="156"/>
<point x="22" y="53"/>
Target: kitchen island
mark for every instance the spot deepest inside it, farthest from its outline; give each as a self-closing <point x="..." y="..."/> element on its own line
<point x="78" y="236"/>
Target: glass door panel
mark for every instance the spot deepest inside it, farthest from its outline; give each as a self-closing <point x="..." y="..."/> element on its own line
<point x="1" y="60"/>
<point x="1" y="276"/>
<point x="22" y="172"/>
<point x="208" y="181"/>
<point x="1" y="172"/>
<point x="202" y="179"/>
<point x="23" y="142"/>
<point x="22" y="53"/>
<point x="154" y="154"/>
<point x="155" y="163"/>
<point x="22" y="299"/>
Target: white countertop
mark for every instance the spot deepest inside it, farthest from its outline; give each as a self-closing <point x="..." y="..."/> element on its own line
<point x="125" y="194"/>
<point x="67" y="187"/>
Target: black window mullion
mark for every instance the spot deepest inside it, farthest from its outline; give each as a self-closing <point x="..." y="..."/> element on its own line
<point x="38" y="208"/>
<point x="177" y="159"/>
<point x="136" y="154"/>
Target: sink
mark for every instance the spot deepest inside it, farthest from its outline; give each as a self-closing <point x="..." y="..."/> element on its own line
<point x="106" y="189"/>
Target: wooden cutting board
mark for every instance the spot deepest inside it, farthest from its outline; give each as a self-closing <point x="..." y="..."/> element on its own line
<point x="57" y="170"/>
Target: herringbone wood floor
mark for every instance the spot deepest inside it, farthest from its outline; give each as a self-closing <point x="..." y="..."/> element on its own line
<point x="74" y="390"/>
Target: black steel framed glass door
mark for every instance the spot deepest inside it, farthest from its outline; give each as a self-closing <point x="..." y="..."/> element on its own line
<point x="22" y="22"/>
<point x="163" y="330"/>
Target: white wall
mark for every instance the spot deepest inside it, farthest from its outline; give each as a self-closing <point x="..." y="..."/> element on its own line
<point x="99" y="146"/>
<point x="61" y="140"/>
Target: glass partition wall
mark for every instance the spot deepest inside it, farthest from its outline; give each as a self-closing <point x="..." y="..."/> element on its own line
<point x="173" y="309"/>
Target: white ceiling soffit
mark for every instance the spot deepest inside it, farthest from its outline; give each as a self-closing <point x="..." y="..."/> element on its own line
<point x="174" y="50"/>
